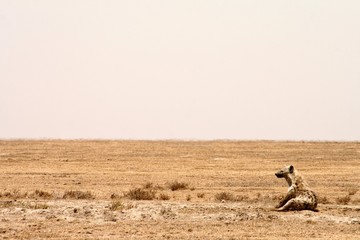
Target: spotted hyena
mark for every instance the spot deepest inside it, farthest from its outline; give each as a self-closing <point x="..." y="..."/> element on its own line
<point x="299" y="195"/>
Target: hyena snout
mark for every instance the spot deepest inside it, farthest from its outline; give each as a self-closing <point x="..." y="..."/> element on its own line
<point x="279" y="174"/>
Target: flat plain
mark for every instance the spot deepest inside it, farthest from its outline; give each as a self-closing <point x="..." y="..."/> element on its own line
<point x="86" y="189"/>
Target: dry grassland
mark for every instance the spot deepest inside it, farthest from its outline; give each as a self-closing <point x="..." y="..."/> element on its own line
<point x="174" y="190"/>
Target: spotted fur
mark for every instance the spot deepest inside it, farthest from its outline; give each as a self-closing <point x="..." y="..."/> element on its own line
<point x="299" y="195"/>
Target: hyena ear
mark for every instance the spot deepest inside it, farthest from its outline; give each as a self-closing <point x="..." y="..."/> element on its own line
<point x="291" y="169"/>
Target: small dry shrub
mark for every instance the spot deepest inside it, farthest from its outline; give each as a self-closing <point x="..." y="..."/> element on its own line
<point x="163" y="196"/>
<point x="78" y="195"/>
<point x="116" y="205"/>
<point x="241" y="198"/>
<point x="35" y="206"/>
<point x="6" y="204"/>
<point x="188" y="197"/>
<point x="323" y="200"/>
<point x="201" y="195"/>
<point x="14" y="194"/>
<point x="141" y="194"/>
<point x="175" y="185"/>
<point x="42" y="194"/>
<point x="343" y="200"/>
<point x="148" y="185"/>
<point x="224" y="196"/>
<point x="352" y="191"/>
<point x="115" y="196"/>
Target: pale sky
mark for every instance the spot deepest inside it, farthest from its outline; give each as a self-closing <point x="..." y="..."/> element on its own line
<point x="185" y="69"/>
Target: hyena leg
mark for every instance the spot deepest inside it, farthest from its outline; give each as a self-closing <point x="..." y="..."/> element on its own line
<point x="286" y="199"/>
<point x="292" y="204"/>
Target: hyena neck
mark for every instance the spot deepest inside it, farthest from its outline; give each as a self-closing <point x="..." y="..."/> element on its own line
<point x="295" y="181"/>
<point x="289" y="179"/>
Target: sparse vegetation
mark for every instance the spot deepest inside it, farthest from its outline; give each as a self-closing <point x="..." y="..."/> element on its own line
<point x="200" y="195"/>
<point x="78" y="195"/>
<point x="224" y="196"/>
<point x="188" y="197"/>
<point x="141" y="194"/>
<point x="242" y="198"/>
<point x="116" y="205"/>
<point x="148" y="185"/>
<point x="163" y="196"/>
<point x="6" y="204"/>
<point x="115" y="196"/>
<point x="38" y="210"/>
<point x="42" y="194"/>
<point x="343" y="200"/>
<point x="175" y="185"/>
<point x="352" y="191"/>
<point x="13" y="194"/>
<point x="323" y="200"/>
<point x="35" y="205"/>
<point x="23" y="204"/>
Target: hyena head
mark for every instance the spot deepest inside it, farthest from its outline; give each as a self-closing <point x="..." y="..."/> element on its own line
<point x="285" y="172"/>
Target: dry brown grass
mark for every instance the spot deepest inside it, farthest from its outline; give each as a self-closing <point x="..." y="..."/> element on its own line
<point x="224" y="196"/>
<point x="200" y="195"/>
<point x="55" y="173"/>
<point x="175" y="185"/>
<point x="76" y="194"/>
<point x="116" y="205"/>
<point x="343" y="200"/>
<point x="13" y="194"/>
<point x="42" y="194"/>
<point x="164" y="196"/>
<point x="141" y="194"/>
<point x="6" y="204"/>
<point x="352" y="191"/>
<point x="227" y="196"/>
<point x="323" y="200"/>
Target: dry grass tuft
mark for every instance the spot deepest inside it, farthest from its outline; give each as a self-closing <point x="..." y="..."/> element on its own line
<point x="140" y="194"/>
<point x="164" y="196"/>
<point x="6" y="204"/>
<point x="200" y="195"/>
<point x="35" y="206"/>
<point x="352" y="191"/>
<point x="323" y="200"/>
<point x="188" y="197"/>
<point x="148" y="185"/>
<point x="13" y="194"/>
<point x="78" y="195"/>
<point x="116" y="205"/>
<point x="343" y="200"/>
<point x="242" y="198"/>
<point x="42" y="194"/>
<point x="115" y="196"/>
<point x="224" y="196"/>
<point x="175" y="185"/>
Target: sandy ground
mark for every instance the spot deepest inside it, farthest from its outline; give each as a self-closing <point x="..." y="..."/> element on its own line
<point x="37" y="176"/>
